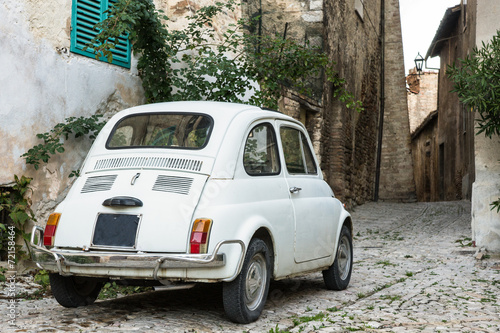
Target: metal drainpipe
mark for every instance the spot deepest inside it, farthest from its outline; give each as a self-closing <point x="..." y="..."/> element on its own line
<point x="382" y="99"/>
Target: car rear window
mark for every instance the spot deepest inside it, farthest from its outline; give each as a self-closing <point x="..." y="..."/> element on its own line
<point x="162" y="130"/>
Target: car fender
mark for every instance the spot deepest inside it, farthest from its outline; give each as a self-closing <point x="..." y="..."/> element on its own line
<point x="244" y="230"/>
<point x="343" y="218"/>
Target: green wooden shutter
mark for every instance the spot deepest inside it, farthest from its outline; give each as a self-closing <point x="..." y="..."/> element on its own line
<point x="87" y="13"/>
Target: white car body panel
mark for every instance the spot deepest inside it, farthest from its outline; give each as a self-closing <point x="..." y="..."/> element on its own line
<point x="303" y="227"/>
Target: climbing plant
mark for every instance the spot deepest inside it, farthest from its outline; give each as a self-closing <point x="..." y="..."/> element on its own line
<point x="200" y="62"/>
<point x="53" y="141"/>
<point x="17" y="205"/>
<point x="477" y="83"/>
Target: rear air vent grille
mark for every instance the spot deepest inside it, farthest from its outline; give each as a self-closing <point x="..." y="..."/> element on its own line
<point x="180" y="185"/>
<point x="149" y="162"/>
<point x="98" y="183"/>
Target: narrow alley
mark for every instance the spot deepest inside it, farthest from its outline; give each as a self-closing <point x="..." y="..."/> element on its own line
<point x="415" y="271"/>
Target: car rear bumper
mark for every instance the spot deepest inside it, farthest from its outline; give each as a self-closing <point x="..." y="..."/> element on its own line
<point x="127" y="265"/>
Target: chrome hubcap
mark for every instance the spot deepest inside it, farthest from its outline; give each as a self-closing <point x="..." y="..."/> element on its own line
<point x="344" y="257"/>
<point x="255" y="282"/>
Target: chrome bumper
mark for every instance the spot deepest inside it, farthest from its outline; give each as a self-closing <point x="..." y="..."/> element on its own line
<point x="61" y="260"/>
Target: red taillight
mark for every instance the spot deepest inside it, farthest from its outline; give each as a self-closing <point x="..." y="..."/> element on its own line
<point x="50" y="229"/>
<point x="199" y="235"/>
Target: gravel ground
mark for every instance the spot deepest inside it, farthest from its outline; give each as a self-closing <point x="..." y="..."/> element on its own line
<point x="415" y="271"/>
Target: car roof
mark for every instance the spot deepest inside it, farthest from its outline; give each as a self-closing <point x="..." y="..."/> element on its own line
<point x="231" y="120"/>
<point x="214" y="109"/>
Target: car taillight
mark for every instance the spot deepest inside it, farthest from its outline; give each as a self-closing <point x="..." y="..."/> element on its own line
<point x="199" y="235"/>
<point x="50" y="229"/>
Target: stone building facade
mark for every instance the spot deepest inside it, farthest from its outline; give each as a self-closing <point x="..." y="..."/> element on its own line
<point x="468" y="165"/>
<point x="396" y="171"/>
<point x="425" y="158"/>
<point x="43" y="83"/>
<point x="422" y="96"/>
<point x="423" y="113"/>
<point x="455" y="134"/>
<point x="364" y="39"/>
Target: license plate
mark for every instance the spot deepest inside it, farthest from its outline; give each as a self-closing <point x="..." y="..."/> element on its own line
<point x="116" y="230"/>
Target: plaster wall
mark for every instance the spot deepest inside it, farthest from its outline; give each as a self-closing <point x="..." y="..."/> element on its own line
<point x="486" y="188"/>
<point x="41" y="84"/>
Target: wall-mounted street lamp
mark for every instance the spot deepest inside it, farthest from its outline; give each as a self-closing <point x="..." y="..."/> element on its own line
<point x="419" y="63"/>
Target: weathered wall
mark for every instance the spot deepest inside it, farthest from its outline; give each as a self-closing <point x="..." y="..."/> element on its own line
<point x="299" y="20"/>
<point x="425" y="158"/>
<point x="422" y="96"/>
<point x="345" y="140"/>
<point x="42" y="84"/>
<point x="423" y="114"/>
<point x="456" y="134"/>
<point x="179" y="10"/>
<point x="349" y="139"/>
<point x="486" y="188"/>
<point x="396" y="170"/>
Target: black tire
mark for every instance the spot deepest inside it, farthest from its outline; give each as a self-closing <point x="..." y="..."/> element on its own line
<point x="74" y="291"/>
<point x="244" y="297"/>
<point x="338" y="275"/>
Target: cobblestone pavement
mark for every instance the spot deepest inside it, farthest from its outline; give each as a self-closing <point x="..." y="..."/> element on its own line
<point x="414" y="272"/>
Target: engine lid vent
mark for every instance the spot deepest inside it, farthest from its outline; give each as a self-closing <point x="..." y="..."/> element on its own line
<point x="98" y="183"/>
<point x="149" y="162"/>
<point x="172" y="184"/>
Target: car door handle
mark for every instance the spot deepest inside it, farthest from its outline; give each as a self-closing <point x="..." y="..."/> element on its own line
<point x="294" y="189"/>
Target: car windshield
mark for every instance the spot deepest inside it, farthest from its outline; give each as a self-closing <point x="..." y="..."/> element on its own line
<point x="164" y="130"/>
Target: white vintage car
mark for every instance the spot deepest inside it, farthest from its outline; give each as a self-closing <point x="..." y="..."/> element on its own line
<point x="183" y="192"/>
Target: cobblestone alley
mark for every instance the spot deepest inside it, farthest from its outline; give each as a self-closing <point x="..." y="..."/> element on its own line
<point x="415" y="271"/>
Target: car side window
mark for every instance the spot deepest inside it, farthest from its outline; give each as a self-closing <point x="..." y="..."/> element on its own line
<point x="298" y="155"/>
<point x="261" y="151"/>
<point x="308" y="156"/>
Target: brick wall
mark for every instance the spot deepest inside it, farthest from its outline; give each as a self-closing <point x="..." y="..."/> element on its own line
<point x="350" y="138"/>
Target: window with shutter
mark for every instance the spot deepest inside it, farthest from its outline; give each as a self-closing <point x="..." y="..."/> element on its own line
<point x="87" y="13"/>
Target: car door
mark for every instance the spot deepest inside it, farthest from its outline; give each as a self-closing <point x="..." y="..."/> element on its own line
<point x="310" y="195"/>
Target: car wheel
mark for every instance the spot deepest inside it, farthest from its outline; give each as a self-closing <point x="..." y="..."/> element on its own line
<point x="74" y="291"/>
<point x="338" y="275"/>
<point x="245" y="296"/>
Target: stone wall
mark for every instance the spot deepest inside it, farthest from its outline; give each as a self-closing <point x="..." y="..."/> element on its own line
<point x="42" y="84"/>
<point x="455" y="125"/>
<point x="396" y="171"/>
<point x="346" y="141"/>
<point x="425" y="154"/>
<point x="422" y="96"/>
<point x="349" y="139"/>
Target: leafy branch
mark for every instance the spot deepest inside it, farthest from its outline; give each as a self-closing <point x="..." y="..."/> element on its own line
<point x="194" y="64"/>
<point x="53" y="140"/>
<point x="18" y="206"/>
